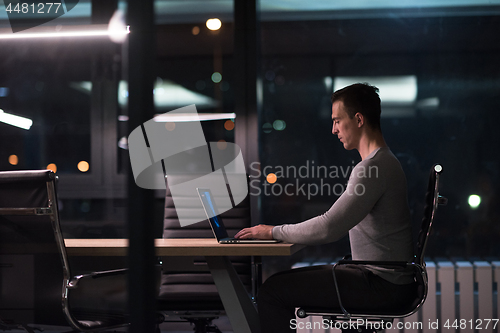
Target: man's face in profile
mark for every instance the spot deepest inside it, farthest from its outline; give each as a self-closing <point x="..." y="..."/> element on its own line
<point x="346" y="129"/>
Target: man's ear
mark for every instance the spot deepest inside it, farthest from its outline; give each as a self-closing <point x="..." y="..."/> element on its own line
<point x="360" y="119"/>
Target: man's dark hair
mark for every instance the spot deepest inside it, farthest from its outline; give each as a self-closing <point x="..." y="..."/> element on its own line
<point x="362" y="98"/>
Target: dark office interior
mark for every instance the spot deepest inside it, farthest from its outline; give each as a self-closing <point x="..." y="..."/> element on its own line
<point x="274" y="64"/>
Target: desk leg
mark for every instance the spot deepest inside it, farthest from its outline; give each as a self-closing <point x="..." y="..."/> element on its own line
<point x="237" y="303"/>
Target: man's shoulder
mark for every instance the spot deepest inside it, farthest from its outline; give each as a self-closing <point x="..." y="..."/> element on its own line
<point x="382" y="155"/>
<point x="382" y="161"/>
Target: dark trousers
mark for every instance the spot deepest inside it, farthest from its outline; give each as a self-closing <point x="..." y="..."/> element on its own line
<point x="314" y="287"/>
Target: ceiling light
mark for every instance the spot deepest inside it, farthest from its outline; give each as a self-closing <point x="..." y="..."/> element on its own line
<point x="185" y="117"/>
<point x="117" y="26"/>
<point x="14" y="120"/>
<point x="392" y="89"/>
<point x="76" y="31"/>
<point x="474" y="201"/>
<point x="214" y="24"/>
<point x="173" y="95"/>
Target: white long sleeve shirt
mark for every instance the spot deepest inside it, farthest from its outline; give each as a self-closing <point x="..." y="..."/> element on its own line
<point x="373" y="210"/>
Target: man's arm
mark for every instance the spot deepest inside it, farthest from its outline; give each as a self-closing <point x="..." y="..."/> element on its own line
<point x="352" y="206"/>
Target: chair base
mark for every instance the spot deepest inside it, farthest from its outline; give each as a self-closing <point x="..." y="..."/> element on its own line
<point x="203" y="325"/>
<point x="359" y="330"/>
<point x="8" y="327"/>
<point x="201" y="320"/>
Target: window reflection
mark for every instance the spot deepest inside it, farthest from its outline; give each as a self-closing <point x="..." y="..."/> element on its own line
<point x="439" y="57"/>
<point x="436" y="67"/>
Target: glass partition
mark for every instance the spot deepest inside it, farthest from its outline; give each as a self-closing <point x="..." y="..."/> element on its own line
<point x="435" y="62"/>
<point x="437" y="70"/>
<point x="62" y="77"/>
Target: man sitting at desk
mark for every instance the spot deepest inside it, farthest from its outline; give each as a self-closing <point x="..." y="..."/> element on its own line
<point x="373" y="210"/>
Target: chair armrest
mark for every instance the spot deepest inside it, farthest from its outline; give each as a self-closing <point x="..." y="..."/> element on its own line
<point x="372" y="262"/>
<point x="347" y="257"/>
<point x="121" y="271"/>
<point x="442" y="200"/>
<point x="380" y="263"/>
<point x="73" y="283"/>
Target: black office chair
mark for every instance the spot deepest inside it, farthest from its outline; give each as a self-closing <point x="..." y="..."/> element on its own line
<point x="29" y="226"/>
<point x="374" y="319"/>
<point x="187" y="289"/>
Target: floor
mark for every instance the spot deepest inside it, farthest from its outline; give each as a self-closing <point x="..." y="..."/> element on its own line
<point x="182" y="327"/>
<point x="167" y="327"/>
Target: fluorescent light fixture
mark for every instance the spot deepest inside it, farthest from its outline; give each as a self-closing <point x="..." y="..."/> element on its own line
<point x="117" y="25"/>
<point x="328" y="82"/>
<point x="392" y="89"/>
<point x="76" y="31"/>
<point x="167" y="95"/>
<point x="14" y="120"/>
<point x="123" y="143"/>
<point x="185" y="117"/>
<point x="428" y="103"/>
<point x="321" y="5"/>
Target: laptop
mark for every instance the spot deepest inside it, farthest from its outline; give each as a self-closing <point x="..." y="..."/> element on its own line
<point x="213" y="216"/>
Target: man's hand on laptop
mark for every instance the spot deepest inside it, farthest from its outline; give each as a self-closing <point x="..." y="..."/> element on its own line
<point x="260" y="231"/>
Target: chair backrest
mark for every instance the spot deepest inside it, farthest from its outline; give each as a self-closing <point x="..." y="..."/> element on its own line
<point x="190" y="285"/>
<point x="29" y="225"/>
<point x="432" y="200"/>
<point x="234" y="219"/>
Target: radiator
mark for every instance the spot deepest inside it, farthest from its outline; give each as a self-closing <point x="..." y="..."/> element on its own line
<point x="462" y="297"/>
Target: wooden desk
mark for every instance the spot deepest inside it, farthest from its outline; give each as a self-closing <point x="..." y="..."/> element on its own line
<point x="238" y="306"/>
<point x="178" y="247"/>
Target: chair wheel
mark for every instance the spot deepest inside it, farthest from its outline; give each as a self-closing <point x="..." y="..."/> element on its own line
<point x="301" y="313"/>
